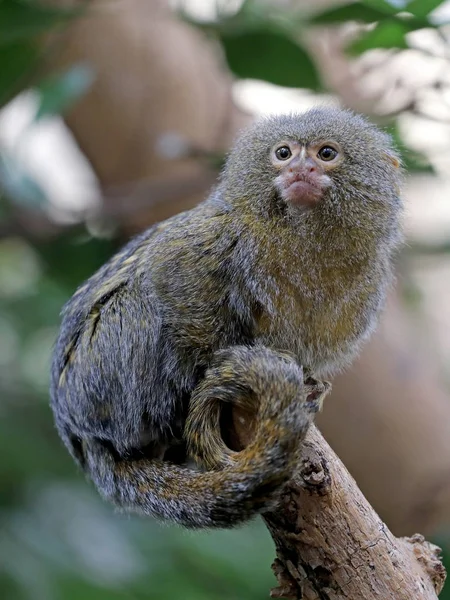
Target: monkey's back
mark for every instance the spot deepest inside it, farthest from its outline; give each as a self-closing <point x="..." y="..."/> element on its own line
<point x="138" y="335"/>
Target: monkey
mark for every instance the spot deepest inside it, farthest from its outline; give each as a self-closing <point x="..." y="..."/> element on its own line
<point x="252" y="298"/>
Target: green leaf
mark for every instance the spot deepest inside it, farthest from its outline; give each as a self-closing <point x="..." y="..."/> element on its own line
<point x="422" y="8"/>
<point x="387" y="34"/>
<point x="22" y="19"/>
<point x="270" y="56"/>
<point x="370" y="11"/>
<point x="58" y="93"/>
<point x="416" y="162"/>
<point x="386" y="7"/>
<point x="17" y="61"/>
<point x="357" y="11"/>
<point x="18" y="185"/>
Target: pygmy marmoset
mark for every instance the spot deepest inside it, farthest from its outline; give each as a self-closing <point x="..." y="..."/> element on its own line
<point x="283" y="268"/>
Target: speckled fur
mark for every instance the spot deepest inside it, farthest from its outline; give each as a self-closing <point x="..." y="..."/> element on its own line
<point x="244" y="272"/>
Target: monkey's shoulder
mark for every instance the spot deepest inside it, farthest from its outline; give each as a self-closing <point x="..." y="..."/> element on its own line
<point x="139" y="258"/>
<point x="172" y="265"/>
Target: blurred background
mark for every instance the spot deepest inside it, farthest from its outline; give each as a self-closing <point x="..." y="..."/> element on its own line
<point x="118" y="113"/>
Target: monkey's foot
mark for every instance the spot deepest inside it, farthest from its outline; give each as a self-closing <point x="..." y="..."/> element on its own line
<point x="316" y="392"/>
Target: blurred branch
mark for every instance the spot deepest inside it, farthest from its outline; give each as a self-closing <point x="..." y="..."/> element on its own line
<point x="351" y="77"/>
<point x="151" y="193"/>
<point x="118" y="203"/>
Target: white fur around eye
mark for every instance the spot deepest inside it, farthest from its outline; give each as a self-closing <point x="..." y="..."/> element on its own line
<point x="293" y="148"/>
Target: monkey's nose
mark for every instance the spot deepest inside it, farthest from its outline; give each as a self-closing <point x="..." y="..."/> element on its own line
<point x="310" y="166"/>
<point x="303" y="166"/>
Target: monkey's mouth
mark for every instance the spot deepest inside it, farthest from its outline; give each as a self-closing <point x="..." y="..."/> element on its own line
<point x="301" y="191"/>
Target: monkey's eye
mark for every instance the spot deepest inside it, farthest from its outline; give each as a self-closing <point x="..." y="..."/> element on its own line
<point x="283" y="153"/>
<point x="327" y="153"/>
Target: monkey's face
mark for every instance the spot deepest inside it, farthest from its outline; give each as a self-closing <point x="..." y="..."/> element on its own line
<point x="326" y="163"/>
<point x="304" y="169"/>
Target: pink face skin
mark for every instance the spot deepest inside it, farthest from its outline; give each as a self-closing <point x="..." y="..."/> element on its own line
<point x="303" y="170"/>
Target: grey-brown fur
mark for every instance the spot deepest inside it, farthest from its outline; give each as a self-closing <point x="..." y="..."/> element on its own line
<point x="242" y="270"/>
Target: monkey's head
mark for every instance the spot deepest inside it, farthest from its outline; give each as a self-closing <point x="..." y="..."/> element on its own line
<point x="327" y="161"/>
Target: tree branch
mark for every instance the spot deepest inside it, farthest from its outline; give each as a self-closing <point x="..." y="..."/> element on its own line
<point x="331" y="544"/>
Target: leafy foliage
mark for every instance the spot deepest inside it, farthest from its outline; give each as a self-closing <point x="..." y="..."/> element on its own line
<point x="295" y="69"/>
<point x="56" y="94"/>
<point x="357" y="11"/>
<point x="21" y="22"/>
<point x="24" y="19"/>
<point x="16" y="60"/>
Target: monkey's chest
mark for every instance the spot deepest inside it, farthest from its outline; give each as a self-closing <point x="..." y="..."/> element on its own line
<point x="322" y="324"/>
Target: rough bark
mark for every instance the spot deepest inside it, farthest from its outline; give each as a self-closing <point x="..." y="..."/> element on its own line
<point x="332" y="545"/>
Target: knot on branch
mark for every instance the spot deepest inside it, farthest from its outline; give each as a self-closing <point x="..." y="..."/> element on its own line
<point x="314" y="475"/>
<point x="429" y="556"/>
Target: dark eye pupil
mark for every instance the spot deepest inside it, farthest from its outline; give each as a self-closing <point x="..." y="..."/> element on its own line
<point x="283" y="153"/>
<point x="327" y="153"/>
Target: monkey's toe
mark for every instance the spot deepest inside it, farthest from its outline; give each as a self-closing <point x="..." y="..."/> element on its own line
<point x="316" y="392"/>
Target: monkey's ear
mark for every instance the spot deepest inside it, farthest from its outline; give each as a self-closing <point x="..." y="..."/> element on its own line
<point x="394" y="160"/>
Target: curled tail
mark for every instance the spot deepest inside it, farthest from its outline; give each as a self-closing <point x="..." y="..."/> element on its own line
<point x="241" y="484"/>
